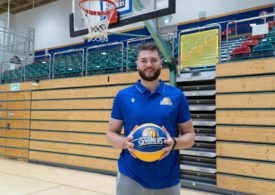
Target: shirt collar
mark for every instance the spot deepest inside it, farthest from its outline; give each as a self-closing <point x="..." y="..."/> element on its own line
<point x="142" y="89"/>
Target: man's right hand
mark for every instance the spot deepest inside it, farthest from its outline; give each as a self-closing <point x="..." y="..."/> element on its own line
<point x="129" y="145"/>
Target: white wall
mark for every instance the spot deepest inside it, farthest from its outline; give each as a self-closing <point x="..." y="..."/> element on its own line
<point x="51" y="22"/>
<point x="4" y="20"/>
<point x="189" y="9"/>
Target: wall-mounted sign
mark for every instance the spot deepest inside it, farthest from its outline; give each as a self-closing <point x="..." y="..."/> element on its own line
<point x="11" y="114"/>
<point x="14" y="86"/>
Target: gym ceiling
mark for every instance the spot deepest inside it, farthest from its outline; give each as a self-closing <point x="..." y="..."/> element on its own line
<point x="17" y="6"/>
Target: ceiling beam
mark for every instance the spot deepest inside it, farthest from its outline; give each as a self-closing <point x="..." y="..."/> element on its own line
<point x="3" y="2"/>
<point x="28" y="4"/>
<point x="21" y="5"/>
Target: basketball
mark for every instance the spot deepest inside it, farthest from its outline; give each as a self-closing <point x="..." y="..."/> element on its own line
<point x="148" y="140"/>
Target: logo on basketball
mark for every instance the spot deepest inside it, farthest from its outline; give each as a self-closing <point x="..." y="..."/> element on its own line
<point x="148" y="142"/>
<point x="150" y="137"/>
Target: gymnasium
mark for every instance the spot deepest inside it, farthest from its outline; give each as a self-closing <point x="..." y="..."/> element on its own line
<point x="63" y="61"/>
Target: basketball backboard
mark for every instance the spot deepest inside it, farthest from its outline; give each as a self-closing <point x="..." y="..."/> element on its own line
<point x="130" y="11"/>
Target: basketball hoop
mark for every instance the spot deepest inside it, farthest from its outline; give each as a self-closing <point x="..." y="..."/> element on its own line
<point x="98" y="21"/>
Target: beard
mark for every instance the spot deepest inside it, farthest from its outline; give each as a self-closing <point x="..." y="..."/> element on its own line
<point x="152" y="77"/>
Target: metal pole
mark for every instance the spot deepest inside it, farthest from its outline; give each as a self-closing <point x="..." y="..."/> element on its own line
<point x="227" y="42"/>
<point x="254" y="18"/>
<point x="82" y="65"/>
<point x="8" y="22"/>
<point x="73" y="6"/>
<point x="127" y="56"/>
<point x="86" y="63"/>
<point x="1" y="73"/>
<point x="122" y="56"/>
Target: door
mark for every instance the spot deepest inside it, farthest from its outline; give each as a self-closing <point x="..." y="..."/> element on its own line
<point x="15" y="116"/>
<point x="3" y="122"/>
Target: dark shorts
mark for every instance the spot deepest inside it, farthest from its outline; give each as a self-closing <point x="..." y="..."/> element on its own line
<point x="127" y="186"/>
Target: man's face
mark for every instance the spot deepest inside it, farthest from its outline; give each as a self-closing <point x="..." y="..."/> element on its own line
<point x="149" y="65"/>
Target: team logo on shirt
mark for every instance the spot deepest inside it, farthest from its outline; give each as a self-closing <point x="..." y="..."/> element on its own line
<point x="166" y="101"/>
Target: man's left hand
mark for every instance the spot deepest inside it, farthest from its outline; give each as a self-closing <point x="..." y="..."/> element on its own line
<point x="169" y="144"/>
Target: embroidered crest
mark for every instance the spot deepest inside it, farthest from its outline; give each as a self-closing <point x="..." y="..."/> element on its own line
<point x="166" y="101"/>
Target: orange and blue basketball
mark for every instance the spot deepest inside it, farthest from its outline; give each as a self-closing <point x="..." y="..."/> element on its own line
<point x="148" y="140"/>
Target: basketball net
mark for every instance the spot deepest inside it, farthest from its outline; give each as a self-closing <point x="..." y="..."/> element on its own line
<point x="98" y="14"/>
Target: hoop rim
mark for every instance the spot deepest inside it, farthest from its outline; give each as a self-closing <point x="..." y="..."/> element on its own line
<point x="98" y="13"/>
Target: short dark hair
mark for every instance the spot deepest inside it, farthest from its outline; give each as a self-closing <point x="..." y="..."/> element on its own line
<point x="148" y="47"/>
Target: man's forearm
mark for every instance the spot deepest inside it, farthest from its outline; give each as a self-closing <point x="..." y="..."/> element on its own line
<point x="185" y="141"/>
<point x="116" y="140"/>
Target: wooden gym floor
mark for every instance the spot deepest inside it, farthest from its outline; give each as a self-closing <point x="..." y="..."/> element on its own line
<point x="22" y="178"/>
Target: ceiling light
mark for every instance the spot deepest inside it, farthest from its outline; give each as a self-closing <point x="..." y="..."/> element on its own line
<point x="167" y="19"/>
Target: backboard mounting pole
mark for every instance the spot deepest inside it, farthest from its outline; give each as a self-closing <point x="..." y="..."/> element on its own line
<point x="73" y="7"/>
<point x="163" y="46"/>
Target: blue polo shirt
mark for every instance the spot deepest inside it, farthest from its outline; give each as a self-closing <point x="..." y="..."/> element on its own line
<point x="167" y="107"/>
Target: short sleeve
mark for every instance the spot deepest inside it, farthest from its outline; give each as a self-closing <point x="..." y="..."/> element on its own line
<point x="184" y="112"/>
<point x="116" y="110"/>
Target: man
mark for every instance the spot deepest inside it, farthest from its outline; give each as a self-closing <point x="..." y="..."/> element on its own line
<point x="150" y="101"/>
